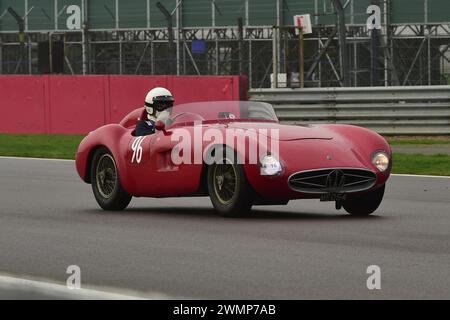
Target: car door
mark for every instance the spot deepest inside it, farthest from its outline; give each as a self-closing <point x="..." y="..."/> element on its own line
<point x="153" y="170"/>
<point x="137" y="159"/>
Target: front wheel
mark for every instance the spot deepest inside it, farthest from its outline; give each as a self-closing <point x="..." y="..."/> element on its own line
<point x="364" y="205"/>
<point x="229" y="190"/>
<point x="106" y="183"/>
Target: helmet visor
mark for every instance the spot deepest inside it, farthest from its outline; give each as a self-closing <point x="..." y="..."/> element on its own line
<point x="161" y="103"/>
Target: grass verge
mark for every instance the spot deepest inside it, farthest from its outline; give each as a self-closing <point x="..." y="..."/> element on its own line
<point x="430" y="164"/>
<point x="419" y="140"/>
<point x="65" y="146"/>
<point x="40" y="146"/>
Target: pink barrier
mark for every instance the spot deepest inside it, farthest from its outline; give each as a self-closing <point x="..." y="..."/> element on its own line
<point x="79" y="104"/>
<point x="22" y="104"/>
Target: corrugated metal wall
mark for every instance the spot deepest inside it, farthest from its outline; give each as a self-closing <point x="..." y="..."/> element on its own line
<point x="43" y="18"/>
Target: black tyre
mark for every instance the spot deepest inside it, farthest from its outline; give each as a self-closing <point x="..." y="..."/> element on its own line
<point x="106" y="182"/>
<point x="364" y="204"/>
<point x="229" y="190"/>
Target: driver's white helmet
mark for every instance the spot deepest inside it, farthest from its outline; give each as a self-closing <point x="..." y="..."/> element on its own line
<point x="157" y="100"/>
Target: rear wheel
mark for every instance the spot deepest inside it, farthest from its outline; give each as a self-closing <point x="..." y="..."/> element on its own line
<point x="229" y="190"/>
<point x="106" y="182"/>
<point x="364" y="205"/>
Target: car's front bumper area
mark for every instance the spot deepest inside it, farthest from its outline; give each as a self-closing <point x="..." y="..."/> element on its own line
<point x="314" y="183"/>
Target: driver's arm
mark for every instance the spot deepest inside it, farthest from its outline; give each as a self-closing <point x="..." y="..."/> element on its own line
<point x="144" y="128"/>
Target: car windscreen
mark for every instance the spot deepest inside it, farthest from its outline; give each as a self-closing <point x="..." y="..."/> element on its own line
<point x="223" y="110"/>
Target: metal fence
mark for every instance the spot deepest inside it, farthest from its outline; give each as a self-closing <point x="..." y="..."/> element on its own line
<point x="234" y="37"/>
<point x="387" y="110"/>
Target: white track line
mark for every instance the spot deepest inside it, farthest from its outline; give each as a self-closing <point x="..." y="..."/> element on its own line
<point x="48" y="159"/>
<point x="50" y="290"/>
<point x="419" y="176"/>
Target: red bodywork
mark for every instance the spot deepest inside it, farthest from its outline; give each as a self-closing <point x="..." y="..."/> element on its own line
<point x="301" y="148"/>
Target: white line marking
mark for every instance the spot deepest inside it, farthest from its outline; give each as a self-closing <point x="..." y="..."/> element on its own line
<point x="419" y="176"/>
<point x="57" y="291"/>
<point x="49" y="159"/>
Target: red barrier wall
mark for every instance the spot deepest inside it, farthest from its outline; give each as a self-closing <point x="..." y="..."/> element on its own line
<point x="79" y="104"/>
<point x="22" y="104"/>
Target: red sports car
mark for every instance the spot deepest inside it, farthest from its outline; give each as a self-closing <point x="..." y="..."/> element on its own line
<point x="238" y="154"/>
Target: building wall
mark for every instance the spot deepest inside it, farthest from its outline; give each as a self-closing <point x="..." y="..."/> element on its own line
<point x="49" y="15"/>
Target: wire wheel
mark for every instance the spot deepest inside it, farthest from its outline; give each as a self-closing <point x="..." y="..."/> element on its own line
<point x="225" y="176"/>
<point x="228" y="188"/>
<point x="106" y="176"/>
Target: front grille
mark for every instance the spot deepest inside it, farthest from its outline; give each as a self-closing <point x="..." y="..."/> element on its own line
<point x="334" y="180"/>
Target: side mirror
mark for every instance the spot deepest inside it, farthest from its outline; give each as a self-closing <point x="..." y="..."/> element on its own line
<point x="160" y="125"/>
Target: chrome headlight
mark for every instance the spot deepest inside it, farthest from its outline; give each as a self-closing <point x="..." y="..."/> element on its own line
<point x="270" y="166"/>
<point x="380" y="160"/>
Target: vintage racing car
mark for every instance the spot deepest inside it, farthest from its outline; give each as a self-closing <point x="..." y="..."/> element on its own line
<point x="238" y="154"/>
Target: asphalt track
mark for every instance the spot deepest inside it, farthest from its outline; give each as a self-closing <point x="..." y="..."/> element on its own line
<point x="181" y="248"/>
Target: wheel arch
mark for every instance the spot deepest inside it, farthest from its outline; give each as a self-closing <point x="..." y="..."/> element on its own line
<point x="203" y="187"/>
<point x="89" y="159"/>
<point x="110" y="137"/>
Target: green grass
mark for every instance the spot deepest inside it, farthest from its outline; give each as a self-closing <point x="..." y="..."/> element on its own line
<point x="40" y="146"/>
<point x="433" y="164"/>
<point x="418" y="140"/>
<point x="65" y="146"/>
